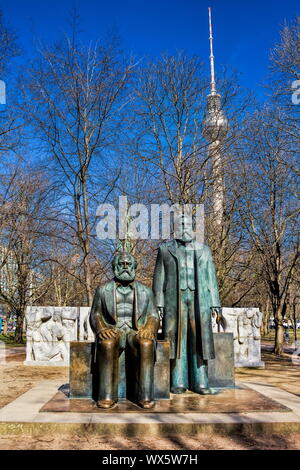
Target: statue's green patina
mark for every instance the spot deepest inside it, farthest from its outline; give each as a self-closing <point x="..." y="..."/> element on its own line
<point x="186" y="293"/>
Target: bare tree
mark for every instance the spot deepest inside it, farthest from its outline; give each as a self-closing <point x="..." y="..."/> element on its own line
<point x="25" y="207"/>
<point x="169" y="147"/>
<point x="170" y="94"/>
<point x="9" y="121"/>
<point x="77" y="95"/>
<point x="284" y="85"/>
<point x="270" y="211"/>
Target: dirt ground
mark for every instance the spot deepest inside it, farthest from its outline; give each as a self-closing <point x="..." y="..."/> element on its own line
<point x="17" y="379"/>
<point x="201" y="442"/>
<point x="279" y="371"/>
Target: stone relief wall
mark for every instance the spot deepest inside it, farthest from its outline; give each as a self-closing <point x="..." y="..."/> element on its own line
<point x="49" y="331"/>
<point x="245" y="325"/>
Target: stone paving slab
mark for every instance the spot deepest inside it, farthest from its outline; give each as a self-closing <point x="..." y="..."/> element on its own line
<point x="23" y="416"/>
<point x="281" y="396"/>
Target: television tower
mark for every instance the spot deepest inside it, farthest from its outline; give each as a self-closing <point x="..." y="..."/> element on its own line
<point x="215" y="130"/>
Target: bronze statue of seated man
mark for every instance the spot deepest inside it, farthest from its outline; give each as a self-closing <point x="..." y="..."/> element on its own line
<point x="123" y="316"/>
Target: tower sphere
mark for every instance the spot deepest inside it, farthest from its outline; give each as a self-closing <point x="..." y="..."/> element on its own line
<point x="215" y="124"/>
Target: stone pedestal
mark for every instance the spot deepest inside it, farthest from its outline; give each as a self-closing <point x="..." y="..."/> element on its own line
<point x="162" y="371"/>
<point x="221" y="370"/>
<point x="83" y="371"/>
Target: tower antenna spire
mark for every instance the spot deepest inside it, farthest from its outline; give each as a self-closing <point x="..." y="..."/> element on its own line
<point x="215" y="130"/>
<point x="212" y="57"/>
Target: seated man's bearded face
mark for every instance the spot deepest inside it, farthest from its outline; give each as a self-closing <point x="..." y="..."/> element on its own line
<point x="124" y="267"/>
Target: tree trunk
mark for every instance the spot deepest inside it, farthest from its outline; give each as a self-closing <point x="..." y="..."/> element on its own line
<point x="268" y="316"/>
<point x="88" y="288"/>
<point x="295" y="326"/>
<point x="266" y="322"/>
<point x="19" y="327"/>
<point x="279" y="333"/>
<point x="87" y="267"/>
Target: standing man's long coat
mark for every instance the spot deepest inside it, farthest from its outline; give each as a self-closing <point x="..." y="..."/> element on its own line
<point x="167" y="294"/>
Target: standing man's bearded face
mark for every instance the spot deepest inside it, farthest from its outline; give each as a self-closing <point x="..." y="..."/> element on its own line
<point x="124" y="267"/>
<point x="184" y="229"/>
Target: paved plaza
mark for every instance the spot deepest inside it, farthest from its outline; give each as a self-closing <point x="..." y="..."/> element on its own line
<point x="25" y="418"/>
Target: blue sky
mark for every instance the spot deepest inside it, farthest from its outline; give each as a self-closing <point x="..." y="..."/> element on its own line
<point x="244" y="31"/>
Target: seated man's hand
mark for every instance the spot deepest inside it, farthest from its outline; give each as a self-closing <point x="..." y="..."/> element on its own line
<point x="108" y="333"/>
<point x="145" y="333"/>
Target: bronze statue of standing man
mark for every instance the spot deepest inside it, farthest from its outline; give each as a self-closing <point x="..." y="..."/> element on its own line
<point x="186" y="292"/>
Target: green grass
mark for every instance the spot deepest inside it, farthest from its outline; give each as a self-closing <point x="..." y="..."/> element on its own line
<point x="10" y="341"/>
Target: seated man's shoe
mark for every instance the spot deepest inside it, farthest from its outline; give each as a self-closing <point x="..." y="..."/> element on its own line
<point x="205" y="391"/>
<point x="105" y="404"/>
<point x="147" y="404"/>
<point x="178" y="390"/>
